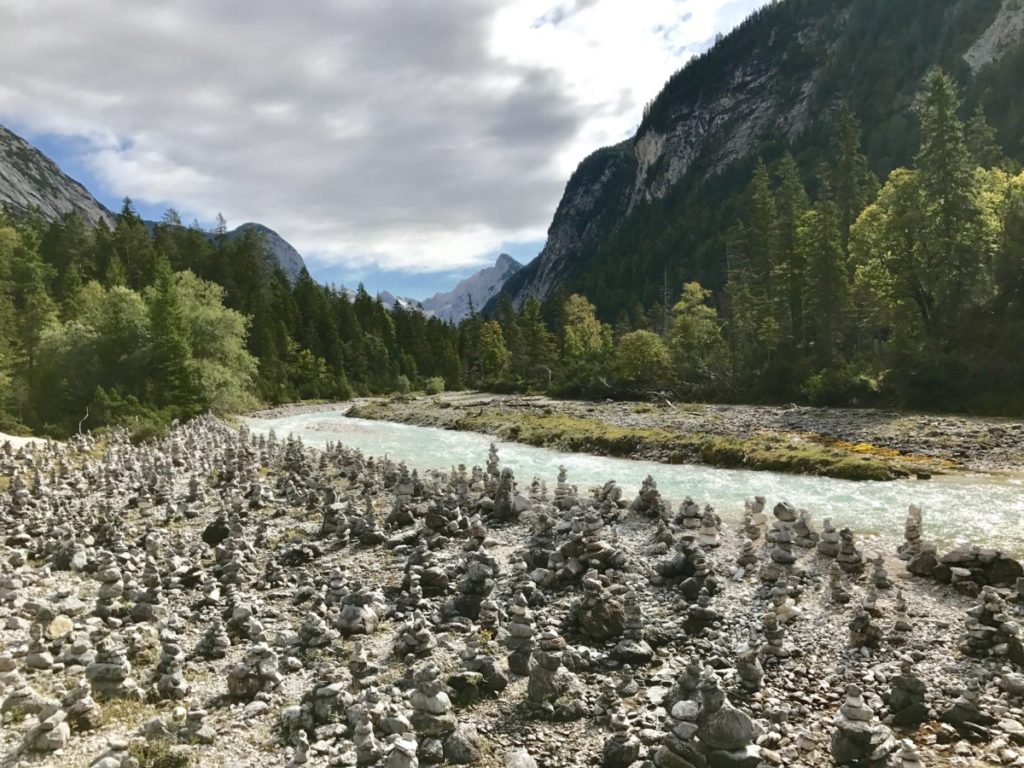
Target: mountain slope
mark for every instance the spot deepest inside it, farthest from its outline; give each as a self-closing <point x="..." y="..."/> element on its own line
<point x="279" y="251"/>
<point x="29" y="180"/>
<point x="475" y="291"/>
<point x="657" y="206"/>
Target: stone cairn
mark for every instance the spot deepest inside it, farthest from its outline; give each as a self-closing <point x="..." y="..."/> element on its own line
<point x="965" y="714"/>
<point x="850" y="558"/>
<point x="48" y="731"/>
<point x="194" y="730"/>
<point x="710" y="731"/>
<point x="837" y="586"/>
<point x="879" y="575"/>
<point x="597" y="614"/>
<point x="858" y="737"/>
<point x="901" y="626"/>
<point x="110" y="673"/>
<point x="215" y="642"/>
<point x="415" y="638"/>
<point x="990" y="631"/>
<point x="648" y="501"/>
<point x="368" y="749"/>
<point x="912" y="530"/>
<point x="774" y="647"/>
<point x="780" y="544"/>
<point x="829" y="541"/>
<point x="476" y="584"/>
<point x="804" y="533"/>
<point x="432" y="715"/>
<point x="622" y="748"/>
<point x="364" y="671"/>
<point x="748" y="664"/>
<point x="358" y="615"/>
<point x="907" y="704"/>
<point x="520" y="639"/>
<point x="782" y="603"/>
<point x="83" y="713"/>
<point x="864" y="633"/>
<point x="746" y="560"/>
<point x="171" y="683"/>
<point x="256" y="673"/>
<point x="633" y="648"/>
<point x="552" y="689"/>
<point x="710" y="523"/>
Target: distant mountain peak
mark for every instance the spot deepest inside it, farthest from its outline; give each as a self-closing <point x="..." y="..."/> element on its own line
<point x="452" y="306"/>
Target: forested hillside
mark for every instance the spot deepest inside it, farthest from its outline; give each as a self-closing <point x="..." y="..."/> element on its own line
<point x="140" y="325"/>
<point x="838" y="291"/>
<point x="656" y="209"/>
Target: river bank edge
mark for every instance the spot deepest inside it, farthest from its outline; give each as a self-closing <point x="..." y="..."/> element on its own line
<point x="846" y="444"/>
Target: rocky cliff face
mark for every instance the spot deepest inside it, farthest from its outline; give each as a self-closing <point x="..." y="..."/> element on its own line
<point x="767" y="83"/>
<point x="29" y="180"/>
<point x="278" y="250"/>
<point x="452" y="306"/>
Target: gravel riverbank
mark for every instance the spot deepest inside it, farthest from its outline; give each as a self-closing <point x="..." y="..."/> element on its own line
<point x="219" y="600"/>
<point x="855" y="444"/>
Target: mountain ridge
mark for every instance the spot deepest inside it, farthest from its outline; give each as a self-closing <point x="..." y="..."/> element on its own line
<point x="656" y="206"/>
<point x="473" y="292"/>
<point x="30" y="181"/>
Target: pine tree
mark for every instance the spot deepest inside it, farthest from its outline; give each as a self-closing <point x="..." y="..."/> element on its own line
<point x="171" y="361"/>
<point x="821" y="243"/>
<point x="851" y="180"/>
<point x="792" y="204"/>
<point x="981" y="141"/>
<point x="947" y="182"/>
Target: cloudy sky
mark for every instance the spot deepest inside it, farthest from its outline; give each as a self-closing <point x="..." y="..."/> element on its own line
<point x="399" y="142"/>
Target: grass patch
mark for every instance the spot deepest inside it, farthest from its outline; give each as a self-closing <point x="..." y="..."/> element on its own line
<point x="569" y="433"/>
<point x="127" y="713"/>
<point x="5" y="483"/>
<point x="546" y="428"/>
<point x="160" y="754"/>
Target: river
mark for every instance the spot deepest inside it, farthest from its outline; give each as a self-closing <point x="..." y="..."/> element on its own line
<point x="960" y="508"/>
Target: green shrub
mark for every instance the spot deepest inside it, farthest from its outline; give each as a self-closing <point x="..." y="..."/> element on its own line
<point x="434" y="385"/>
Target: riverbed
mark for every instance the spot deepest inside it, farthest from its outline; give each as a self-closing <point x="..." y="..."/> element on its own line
<point x="959" y="508"/>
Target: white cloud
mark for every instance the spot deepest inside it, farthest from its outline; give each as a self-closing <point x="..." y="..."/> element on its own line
<point x="369" y="132"/>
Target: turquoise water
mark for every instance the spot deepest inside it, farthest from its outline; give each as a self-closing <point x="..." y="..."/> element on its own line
<point x="980" y="509"/>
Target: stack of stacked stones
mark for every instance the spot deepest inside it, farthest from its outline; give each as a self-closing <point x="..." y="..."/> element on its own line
<point x="804" y="533"/>
<point x="256" y="673"/>
<point x="830" y="541"/>
<point x="849" y="556"/>
<point x="912" y="530"/>
<point x="415" y="637"/>
<point x="171" y="682"/>
<point x="837" y="588"/>
<point x="358" y="616"/>
<point x="597" y="614"/>
<point x="858" y="738"/>
<point x="110" y="673"/>
<point x="550" y="683"/>
<point x="649" y="502"/>
<point x="990" y="631"/>
<point x="521" y="629"/>
<point x="907" y="704"/>
<point x="707" y="533"/>
<point x="780" y="544"/>
<point x="622" y="748"/>
<point x="476" y="584"/>
<point x="633" y="648"/>
<point x="431" y="708"/>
